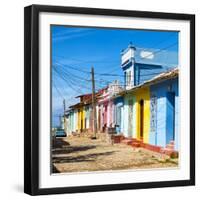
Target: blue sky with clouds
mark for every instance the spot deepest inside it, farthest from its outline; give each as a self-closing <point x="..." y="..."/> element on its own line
<point x="76" y="49"/>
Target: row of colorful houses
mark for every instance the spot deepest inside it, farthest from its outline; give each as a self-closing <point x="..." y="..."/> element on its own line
<point x="146" y="108"/>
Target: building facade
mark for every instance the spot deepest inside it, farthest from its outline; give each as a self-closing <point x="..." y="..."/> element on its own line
<point x="146" y="109"/>
<point x="164" y="113"/>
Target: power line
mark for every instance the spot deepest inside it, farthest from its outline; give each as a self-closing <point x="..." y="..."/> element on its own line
<point x="71" y="77"/>
<point x="87" y="61"/>
<point x="101" y="81"/>
<point x="158" y="44"/>
<point x="74" y="68"/>
<point x="58" y="91"/>
<point x="81" y="78"/>
<point x="160" y="50"/>
<point x="74" y="82"/>
<point x="107" y="74"/>
<point x="67" y="82"/>
<point x="58" y="79"/>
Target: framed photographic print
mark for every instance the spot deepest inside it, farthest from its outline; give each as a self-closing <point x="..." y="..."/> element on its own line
<point x="109" y="100"/>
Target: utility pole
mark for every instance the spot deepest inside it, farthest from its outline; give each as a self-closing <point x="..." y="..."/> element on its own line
<point x="94" y="104"/>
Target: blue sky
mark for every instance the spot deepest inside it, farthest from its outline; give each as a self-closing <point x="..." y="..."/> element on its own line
<point x="76" y="49"/>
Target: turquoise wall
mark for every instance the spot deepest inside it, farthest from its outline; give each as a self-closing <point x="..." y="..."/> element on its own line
<point x="119" y="114"/>
<point x="160" y="125"/>
<point x="126" y="121"/>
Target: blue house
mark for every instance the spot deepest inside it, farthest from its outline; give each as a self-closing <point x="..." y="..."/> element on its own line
<point x="151" y="101"/>
<point x="136" y="73"/>
<point x="164" y="111"/>
<point x="119" y="113"/>
<point x="135" y="68"/>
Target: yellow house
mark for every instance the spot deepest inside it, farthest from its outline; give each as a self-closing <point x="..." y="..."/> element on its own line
<point x="81" y="126"/>
<point x="81" y="110"/>
<point x="82" y="113"/>
<point x="79" y="116"/>
<point x="79" y="119"/>
<point x="142" y="103"/>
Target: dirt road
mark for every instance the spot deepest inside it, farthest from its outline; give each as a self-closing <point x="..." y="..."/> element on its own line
<point x="78" y="154"/>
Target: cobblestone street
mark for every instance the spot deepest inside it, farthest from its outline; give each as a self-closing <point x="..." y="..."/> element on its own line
<point x="78" y="154"/>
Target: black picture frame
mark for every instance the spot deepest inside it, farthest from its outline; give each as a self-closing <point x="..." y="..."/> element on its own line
<point x="31" y="98"/>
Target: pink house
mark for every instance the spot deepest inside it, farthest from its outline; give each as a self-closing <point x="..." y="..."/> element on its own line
<point x="105" y="107"/>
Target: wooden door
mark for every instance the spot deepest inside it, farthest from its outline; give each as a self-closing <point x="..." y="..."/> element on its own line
<point x="99" y="119"/>
<point x="141" y="119"/>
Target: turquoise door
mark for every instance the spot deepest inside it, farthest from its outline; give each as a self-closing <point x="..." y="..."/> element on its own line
<point x="119" y="119"/>
<point x="170" y="121"/>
